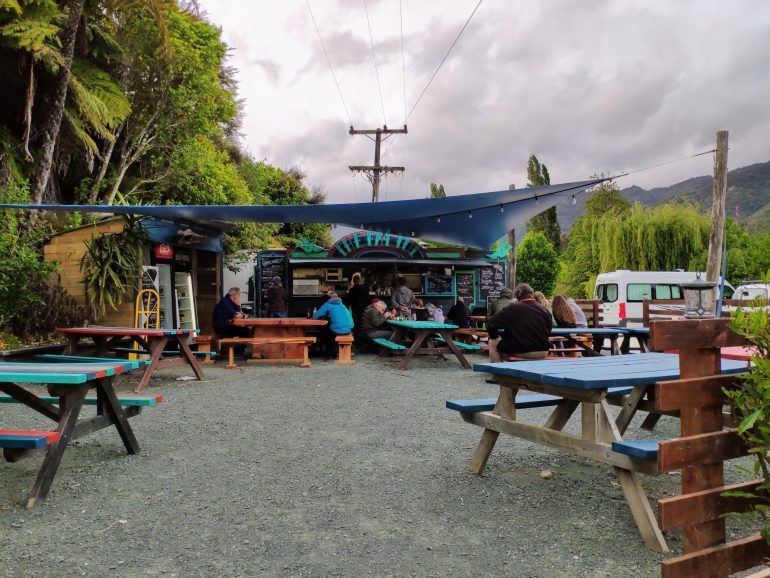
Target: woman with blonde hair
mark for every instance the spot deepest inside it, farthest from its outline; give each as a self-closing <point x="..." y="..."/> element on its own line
<point x="562" y="312"/>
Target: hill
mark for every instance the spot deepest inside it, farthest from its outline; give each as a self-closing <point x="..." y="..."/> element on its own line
<point x="748" y="196"/>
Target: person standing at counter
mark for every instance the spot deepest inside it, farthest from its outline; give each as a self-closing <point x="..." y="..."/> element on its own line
<point x="459" y="314"/>
<point x="276" y="299"/>
<point x="340" y="323"/>
<point x="358" y="298"/>
<point x="403" y="296"/>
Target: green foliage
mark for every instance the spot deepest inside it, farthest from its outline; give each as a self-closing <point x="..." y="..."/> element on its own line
<point x="437" y="191"/>
<point x="110" y="266"/>
<point x="537" y="263"/>
<point x="21" y="266"/>
<point x="751" y="404"/>
<point x="547" y="221"/>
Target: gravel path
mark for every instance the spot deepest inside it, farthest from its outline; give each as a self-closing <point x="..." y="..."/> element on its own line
<point x="324" y="471"/>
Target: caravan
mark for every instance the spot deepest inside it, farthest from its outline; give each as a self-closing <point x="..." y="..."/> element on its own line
<point x="622" y="292"/>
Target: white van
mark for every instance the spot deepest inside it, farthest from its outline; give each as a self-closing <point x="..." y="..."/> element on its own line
<point x="752" y="290"/>
<point x="622" y="292"/>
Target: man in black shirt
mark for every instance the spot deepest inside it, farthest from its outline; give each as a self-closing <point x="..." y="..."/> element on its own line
<point x="521" y="328"/>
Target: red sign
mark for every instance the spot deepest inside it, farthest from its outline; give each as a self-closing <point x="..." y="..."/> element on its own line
<point x="164" y="251"/>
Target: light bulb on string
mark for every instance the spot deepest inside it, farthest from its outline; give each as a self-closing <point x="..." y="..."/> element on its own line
<point x="574" y="200"/>
<point x="470" y="215"/>
<point x="537" y="201"/>
<point x="502" y="210"/>
<point x="438" y="219"/>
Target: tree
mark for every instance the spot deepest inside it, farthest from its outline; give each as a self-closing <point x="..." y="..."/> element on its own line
<point x="537" y="263"/>
<point x="547" y="221"/>
<point x="437" y="191"/>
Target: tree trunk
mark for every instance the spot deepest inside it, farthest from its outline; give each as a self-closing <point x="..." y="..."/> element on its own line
<point x="28" y="107"/>
<point x="94" y="194"/>
<point x="53" y="123"/>
<point x="123" y="165"/>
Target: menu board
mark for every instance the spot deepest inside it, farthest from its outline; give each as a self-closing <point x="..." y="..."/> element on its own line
<point x="465" y="282"/>
<point x="439" y="285"/>
<point x="269" y="264"/>
<point x="492" y="281"/>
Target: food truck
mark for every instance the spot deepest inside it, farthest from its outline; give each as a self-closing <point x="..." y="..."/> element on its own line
<point x="436" y="274"/>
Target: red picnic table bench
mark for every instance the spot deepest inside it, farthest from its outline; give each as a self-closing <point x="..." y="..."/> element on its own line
<point x="152" y="340"/>
<point x="68" y="387"/>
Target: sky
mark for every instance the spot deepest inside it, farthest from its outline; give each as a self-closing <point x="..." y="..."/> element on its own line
<point x="590" y="87"/>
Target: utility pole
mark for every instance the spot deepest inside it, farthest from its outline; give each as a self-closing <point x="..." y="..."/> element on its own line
<point x="375" y="171"/>
<point x="512" y="254"/>
<point x="713" y="269"/>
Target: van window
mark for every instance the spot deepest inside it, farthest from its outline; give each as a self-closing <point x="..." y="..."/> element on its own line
<point x="665" y="291"/>
<point x="638" y="292"/>
<point x="607" y="293"/>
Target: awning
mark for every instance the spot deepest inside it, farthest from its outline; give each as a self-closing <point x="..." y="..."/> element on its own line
<point x="394" y="261"/>
<point x="475" y="220"/>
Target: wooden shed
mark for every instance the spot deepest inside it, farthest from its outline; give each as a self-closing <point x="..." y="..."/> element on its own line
<point x="182" y="260"/>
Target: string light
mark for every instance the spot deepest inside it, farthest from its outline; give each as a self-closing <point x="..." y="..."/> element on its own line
<point x="574" y="200"/>
<point x="502" y="210"/>
<point x="470" y="215"/>
<point x="537" y="201"/>
<point x="412" y="233"/>
<point x="438" y="219"/>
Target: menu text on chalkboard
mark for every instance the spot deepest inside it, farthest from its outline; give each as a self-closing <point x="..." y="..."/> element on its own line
<point x="269" y="264"/>
<point x="465" y="282"/>
<point x="438" y="285"/>
<point x="491" y="282"/>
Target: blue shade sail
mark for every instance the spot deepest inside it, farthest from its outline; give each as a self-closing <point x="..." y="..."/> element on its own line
<point x="475" y="220"/>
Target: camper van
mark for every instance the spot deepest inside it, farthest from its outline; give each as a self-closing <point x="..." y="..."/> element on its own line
<point x="622" y="292"/>
<point x="752" y="290"/>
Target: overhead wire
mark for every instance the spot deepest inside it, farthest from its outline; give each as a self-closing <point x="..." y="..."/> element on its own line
<point x="403" y="76"/>
<point x="374" y="60"/>
<point x="665" y="163"/>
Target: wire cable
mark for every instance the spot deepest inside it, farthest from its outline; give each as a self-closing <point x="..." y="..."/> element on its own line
<point x="403" y="76"/>
<point x="374" y="60"/>
<point x="329" y="62"/>
<point x="664" y="164"/>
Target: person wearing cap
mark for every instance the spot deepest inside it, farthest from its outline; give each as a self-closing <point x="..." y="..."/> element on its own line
<point x="505" y="299"/>
<point x="276" y="299"/>
<point x="520" y="329"/>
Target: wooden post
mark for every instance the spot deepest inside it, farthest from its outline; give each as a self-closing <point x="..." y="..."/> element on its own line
<point x="512" y="255"/>
<point x="713" y="270"/>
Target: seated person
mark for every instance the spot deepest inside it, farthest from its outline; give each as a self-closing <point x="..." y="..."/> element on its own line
<point x="375" y="317"/>
<point x="525" y="327"/>
<point x="580" y="316"/>
<point x="563" y="314"/>
<point x="435" y="314"/>
<point x="505" y="299"/>
<point x="340" y="323"/>
<point x="226" y="310"/>
<point x="459" y="314"/>
<point x="419" y="313"/>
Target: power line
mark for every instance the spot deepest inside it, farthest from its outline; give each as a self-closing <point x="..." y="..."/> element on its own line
<point x="664" y="163"/>
<point x="403" y="75"/>
<point x="374" y="59"/>
<point x="329" y="62"/>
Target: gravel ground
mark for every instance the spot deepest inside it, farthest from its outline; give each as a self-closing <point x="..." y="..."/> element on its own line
<point x="331" y="470"/>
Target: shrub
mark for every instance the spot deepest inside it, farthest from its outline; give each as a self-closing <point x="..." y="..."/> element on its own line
<point x="537" y="263"/>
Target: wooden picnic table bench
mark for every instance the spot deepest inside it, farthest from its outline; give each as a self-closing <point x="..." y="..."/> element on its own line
<point x="68" y="387"/>
<point x="277" y="328"/>
<point x="588" y="384"/>
<point x="230" y="343"/>
<point x="152" y="340"/>
<point x="403" y="330"/>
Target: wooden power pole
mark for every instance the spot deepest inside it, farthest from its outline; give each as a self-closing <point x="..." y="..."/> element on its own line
<point x="375" y="171"/>
<point x="512" y="254"/>
<point x="714" y="267"/>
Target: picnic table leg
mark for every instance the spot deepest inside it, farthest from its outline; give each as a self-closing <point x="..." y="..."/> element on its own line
<point x="456" y="350"/>
<point x="71" y="402"/>
<point x="636" y="497"/>
<point x="614" y="347"/>
<point x="630" y="404"/>
<point x="71" y="348"/>
<point x="108" y="402"/>
<point x="187" y="354"/>
<point x="561" y="414"/>
<point x="419" y="338"/>
<point x="505" y="407"/>
<point x="155" y="347"/>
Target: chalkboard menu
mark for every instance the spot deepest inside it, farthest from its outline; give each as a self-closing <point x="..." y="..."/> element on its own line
<point x="465" y="283"/>
<point x="270" y="264"/>
<point x="438" y="285"/>
<point x="492" y="282"/>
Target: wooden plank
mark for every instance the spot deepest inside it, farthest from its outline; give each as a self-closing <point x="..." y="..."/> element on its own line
<point x="707" y="448"/>
<point x="718" y="561"/>
<point x="693" y="392"/>
<point x="679" y="511"/>
<point x="693" y="334"/>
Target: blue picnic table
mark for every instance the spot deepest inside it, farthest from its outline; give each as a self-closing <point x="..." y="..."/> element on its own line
<point x="418" y="333"/>
<point x="598" y="335"/>
<point x="68" y="386"/>
<point x="591" y="383"/>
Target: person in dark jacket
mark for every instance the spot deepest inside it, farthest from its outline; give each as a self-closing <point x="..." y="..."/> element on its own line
<point x="276" y="299"/>
<point x="521" y="328"/>
<point x="226" y="310"/>
<point x="459" y="314"/>
<point x="358" y="299"/>
<point x="340" y="323"/>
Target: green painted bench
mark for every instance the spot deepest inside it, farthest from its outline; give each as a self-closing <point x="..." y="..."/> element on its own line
<point x="382" y="342"/>
<point x="461" y="345"/>
<point x="130" y="400"/>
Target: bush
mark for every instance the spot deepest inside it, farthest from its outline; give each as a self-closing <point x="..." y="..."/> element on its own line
<point x="537" y="263"/>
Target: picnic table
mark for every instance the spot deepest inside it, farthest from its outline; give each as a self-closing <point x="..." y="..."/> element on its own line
<point x="422" y="330"/>
<point x="69" y="383"/>
<point x="279" y="327"/>
<point x="153" y="341"/>
<point x="738" y="353"/>
<point x="598" y="334"/>
<point x="642" y="336"/>
<point x="591" y="384"/>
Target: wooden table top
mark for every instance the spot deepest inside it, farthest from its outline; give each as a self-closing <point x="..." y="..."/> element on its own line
<point x="599" y="372"/>
<point x="118" y="331"/>
<point x="66" y="373"/>
<point x="279" y="322"/>
<point x="588" y="330"/>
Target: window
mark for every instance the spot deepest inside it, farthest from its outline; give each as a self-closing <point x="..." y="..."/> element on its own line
<point x="668" y="291"/>
<point x="607" y="293"/>
<point x="638" y="292"/>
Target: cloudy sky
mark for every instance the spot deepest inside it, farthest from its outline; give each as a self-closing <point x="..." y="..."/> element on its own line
<point x="588" y="86"/>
